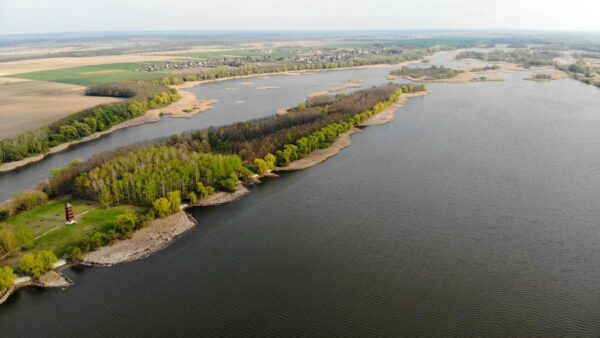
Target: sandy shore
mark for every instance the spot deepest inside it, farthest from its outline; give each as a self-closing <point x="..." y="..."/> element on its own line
<point x="157" y="235"/>
<point x="389" y="114"/>
<point x="51" y="279"/>
<point x="321" y="155"/>
<point x="346" y="85"/>
<point x="223" y="197"/>
<point x="187" y="106"/>
<point x="554" y="74"/>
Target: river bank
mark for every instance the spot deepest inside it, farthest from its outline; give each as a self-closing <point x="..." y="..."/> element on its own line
<point x="155" y="236"/>
<point x="187" y="106"/>
<point x="50" y="279"/>
<point x="160" y="232"/>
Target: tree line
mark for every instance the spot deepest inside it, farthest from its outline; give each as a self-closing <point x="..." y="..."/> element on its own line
<point x="432" y="73"/>
<point x="191" y="166"/>
<point x="79" y="125"/>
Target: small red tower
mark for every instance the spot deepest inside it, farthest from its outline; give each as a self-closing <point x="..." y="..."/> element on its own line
<point x="69" y="216"/>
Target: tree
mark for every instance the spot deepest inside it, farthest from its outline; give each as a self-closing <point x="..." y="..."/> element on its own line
<point x="162" y="207"/>
<point x="7" y="278"/>
<point x="35" y="264"/>
<point x="260" y="166"/>
<point x="192" y="197"/>
<point x="174" y="198"/>
<point x="270" y="159"/>
<point x="105" y="198"/>
<point x="126" y="223"/>
<point x="8" y="240"/>
<point x="25" y="237"/>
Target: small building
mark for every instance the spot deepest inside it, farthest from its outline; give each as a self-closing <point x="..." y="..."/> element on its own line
<point x="69" y="215"/>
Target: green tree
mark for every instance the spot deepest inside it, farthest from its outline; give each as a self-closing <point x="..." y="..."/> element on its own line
<point x="260" y="166"/>
<point x="192" y="197"/>
<point x="162" y="207"/>
<point x="35" y="264"/>
<point x="105" y="198"/>
<point x="8" y="240"/>
<point x="270" y="159"/>
<point x="25" y="237"/>
<point x="7" y="278"/>
<point x="126" y="223"/>
<point x="174" y="198"/>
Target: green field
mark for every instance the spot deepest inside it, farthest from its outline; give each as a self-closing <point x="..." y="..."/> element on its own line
<point x="51" y="232"/>
<point x="92" y="75"/>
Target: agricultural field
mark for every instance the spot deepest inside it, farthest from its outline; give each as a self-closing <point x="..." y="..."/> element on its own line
<point x="91" y="75"/>
<point x="26" y="106"/>
<point x="35" y="65"/>
<point x="51" y="233"/>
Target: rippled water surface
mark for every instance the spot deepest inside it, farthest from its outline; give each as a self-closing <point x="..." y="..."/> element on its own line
<point x="475" y="213"/>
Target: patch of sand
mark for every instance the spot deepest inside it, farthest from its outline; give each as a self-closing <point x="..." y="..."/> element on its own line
<point x="156" y="236"/>
<point x="53" y="279"/>
<point x="29" y="105"/>
<point x="11" y="80"/>
<point x="34" y="65"/>
<point x="554" y="74"/>
<point x="282" y="111"/>
<point x="347" y="85"/>
<point x="389" y="114"/>
<point x="223" y="197"/>
<point x="267" y="87"/>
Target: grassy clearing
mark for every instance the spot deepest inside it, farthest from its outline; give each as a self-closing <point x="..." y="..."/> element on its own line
<point x="51" y="232"/>
<point x="93" y="75"/>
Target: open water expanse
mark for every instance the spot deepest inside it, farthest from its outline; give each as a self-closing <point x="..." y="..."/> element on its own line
<point x="476" y="212"/>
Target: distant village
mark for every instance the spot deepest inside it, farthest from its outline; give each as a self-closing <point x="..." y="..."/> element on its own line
<point x="325" y="55"/>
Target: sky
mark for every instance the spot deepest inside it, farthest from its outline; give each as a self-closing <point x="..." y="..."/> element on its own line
<point x="48" y="16"/>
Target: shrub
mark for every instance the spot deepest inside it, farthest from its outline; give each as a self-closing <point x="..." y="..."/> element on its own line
<point x="174" y="198"/>
<point x="192" y="197"/>
<point x="260" y="166"/>
<point x="7" y="278"/>
<point x="126" y="223"/>
<point x="27" y="200"/>
<point x="25" y="237"/>
<point x="37" y="263"/>
<point x="230" y="183"/>
<point x="162" y="207"/>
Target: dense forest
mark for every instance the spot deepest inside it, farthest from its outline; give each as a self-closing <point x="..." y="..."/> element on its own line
<point x="432" y="73"/>
<point x="140" y="173"/>
<point x="85" y="123"/>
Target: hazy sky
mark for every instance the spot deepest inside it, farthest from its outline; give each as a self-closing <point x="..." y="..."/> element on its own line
<point x="39" y="16"/>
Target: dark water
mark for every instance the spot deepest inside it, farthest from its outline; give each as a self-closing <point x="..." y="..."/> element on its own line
<point x="475" y="213"/>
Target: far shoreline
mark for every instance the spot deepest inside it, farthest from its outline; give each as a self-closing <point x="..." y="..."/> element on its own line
<point x="152" y="116"/>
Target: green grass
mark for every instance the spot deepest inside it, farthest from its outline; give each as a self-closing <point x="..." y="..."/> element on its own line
<point x="48" y="224"/>
<point x="92" y="75"/>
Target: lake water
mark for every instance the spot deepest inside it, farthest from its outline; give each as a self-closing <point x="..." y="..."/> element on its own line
<point x="475" y="213"/>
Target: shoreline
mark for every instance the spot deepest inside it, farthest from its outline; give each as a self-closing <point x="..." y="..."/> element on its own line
<point x="144" y="242"/>
<point x="50" y="280"/>
<point x="161" y="232"/>
<point x="152" y="116"/>
<point x="176" y="109"/>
